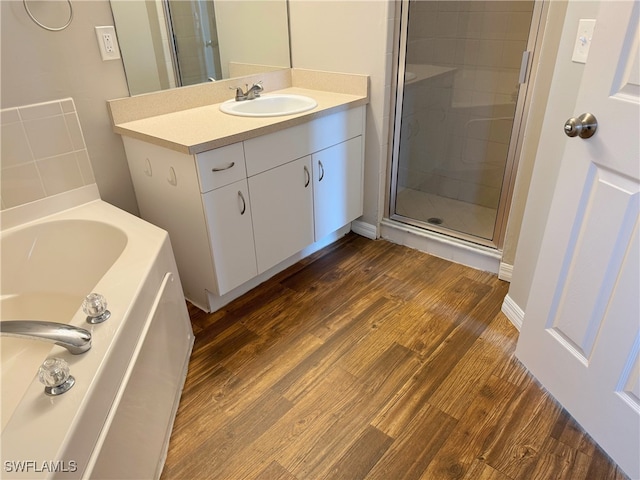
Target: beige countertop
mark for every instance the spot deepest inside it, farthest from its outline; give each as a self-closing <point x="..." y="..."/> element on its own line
<point x="205" y="127"/>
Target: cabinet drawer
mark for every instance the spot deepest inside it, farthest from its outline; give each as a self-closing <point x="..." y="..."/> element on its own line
<point x="220" y="167"/>
<point x="277" y="148"/>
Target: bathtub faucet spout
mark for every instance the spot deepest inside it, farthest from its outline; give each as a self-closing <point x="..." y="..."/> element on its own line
<point x="76" y="340"/>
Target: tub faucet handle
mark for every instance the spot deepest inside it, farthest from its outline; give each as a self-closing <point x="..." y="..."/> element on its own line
<point x="95" y="306"/>
<point x="54" y="375"/>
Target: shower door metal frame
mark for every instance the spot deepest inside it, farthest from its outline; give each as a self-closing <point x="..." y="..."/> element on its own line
<point x="173" y="47"/>
<point x="515" y="143"/>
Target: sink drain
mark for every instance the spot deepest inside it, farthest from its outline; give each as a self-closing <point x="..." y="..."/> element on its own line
<point x="435" y="221"/>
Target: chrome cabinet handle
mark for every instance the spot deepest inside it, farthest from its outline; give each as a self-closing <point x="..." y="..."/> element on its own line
<point x="320" y="170"/>
<point x="244" y="203"/>
<point x="226" y="167"/>
<point x="308" y="176"/>
<point x="584" y="126"/>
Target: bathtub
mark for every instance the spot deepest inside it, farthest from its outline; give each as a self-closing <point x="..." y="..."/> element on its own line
<point x="116" y="420"/>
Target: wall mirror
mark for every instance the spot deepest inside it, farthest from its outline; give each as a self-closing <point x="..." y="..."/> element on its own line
<point x="172" y="43"/>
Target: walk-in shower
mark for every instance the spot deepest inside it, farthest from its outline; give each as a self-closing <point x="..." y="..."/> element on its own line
<point x="193" y="33"/>
<point x="460" y="101"/>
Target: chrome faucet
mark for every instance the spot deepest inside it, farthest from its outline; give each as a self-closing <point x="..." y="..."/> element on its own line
<point x="76" y="340"/>
<point x="251" y="93"/>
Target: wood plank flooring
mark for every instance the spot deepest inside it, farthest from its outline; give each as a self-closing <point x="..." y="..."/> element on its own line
<point x="369" y="360"/>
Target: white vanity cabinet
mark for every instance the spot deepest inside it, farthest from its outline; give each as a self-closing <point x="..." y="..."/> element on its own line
<point x="293" y="203"/>
<point x="168" y="194"/>
<point x="236" y="212"/>
<point x="282" y="200"/>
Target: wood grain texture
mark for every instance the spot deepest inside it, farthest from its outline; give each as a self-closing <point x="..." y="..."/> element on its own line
<point x="368" y="360"/>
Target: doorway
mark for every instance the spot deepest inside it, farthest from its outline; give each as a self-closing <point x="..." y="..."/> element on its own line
<point x="463" y="75"/>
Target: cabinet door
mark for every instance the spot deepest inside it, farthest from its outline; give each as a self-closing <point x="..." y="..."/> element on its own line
<point x="282" y="209"/>
<point x="337" y="186"/>
<point x="228" y="213"/>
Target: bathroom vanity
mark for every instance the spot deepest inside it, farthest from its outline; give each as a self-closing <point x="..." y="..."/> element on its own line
<point x="242" y="197"/>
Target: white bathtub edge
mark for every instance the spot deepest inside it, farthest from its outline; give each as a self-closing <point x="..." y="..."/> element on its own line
<point x="29" y="212"/>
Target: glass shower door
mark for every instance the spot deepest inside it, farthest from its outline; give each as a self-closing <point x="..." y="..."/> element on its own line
<point x="195" y="39"/>
<point x="459" y="80"/>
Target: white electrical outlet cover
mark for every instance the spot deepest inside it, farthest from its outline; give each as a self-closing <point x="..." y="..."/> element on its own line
<point x="583" y="40"/>
<point x="108" y="43"/>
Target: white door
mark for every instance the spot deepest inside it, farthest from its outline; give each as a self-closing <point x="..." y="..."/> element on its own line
<point x="581" y="334"/>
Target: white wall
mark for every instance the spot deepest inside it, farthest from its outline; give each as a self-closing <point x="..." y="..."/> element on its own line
<point x="134" y="31"/>
<point x="39" y="66"/>
<point x="353" y="37"/>
<point x="567" y="76"/>
<point x="546" y="51"/>
<point x="267" y="42"/>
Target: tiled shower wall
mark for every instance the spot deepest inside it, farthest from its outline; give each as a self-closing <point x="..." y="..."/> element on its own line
<point x="483" y="43"/>
<point x="43" y="152"/>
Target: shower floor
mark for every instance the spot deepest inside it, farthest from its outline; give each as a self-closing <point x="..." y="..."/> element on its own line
<point x="455" y="215"/>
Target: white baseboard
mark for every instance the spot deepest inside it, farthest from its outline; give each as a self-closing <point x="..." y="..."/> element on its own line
<point x="364" y="229"/>
<point x="505" y="272"/>
<point x="449" y="248"/>
<point x="513" y="312"/>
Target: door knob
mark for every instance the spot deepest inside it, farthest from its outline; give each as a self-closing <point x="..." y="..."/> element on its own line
<point x="583" y="126"/>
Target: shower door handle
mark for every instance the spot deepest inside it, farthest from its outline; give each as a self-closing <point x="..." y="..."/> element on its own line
<point x="583" y="126"/>
<point x="524" y="67"/>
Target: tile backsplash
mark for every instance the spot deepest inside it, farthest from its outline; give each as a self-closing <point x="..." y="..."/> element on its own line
<point x="43" y="152"/>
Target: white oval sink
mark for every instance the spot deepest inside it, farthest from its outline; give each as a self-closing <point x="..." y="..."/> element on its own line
<point x="269" y="105"/>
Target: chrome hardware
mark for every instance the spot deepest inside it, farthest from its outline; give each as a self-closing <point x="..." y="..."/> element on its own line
<point x="584" y="126"/>
<point x="47" y="27"/>
<point x="95" y="307"/>
<point x="54" y="375"/>
<point x="240" y="95"/>
<point x="226" y="167"/>
<point x="308" y="176"/>
<point x="524" y="67"/>
<point x="321" y="170"/>
<point x="76" y="340"/>
<point x="244" y="203"/>
<point x="253" y="92"/>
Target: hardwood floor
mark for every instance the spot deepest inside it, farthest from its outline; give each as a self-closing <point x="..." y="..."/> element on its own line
<point x="369" y="360"/>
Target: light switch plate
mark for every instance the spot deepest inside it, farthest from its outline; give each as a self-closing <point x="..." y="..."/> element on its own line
<point x="108" y="43"/>
<point x="583" y="40"/>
